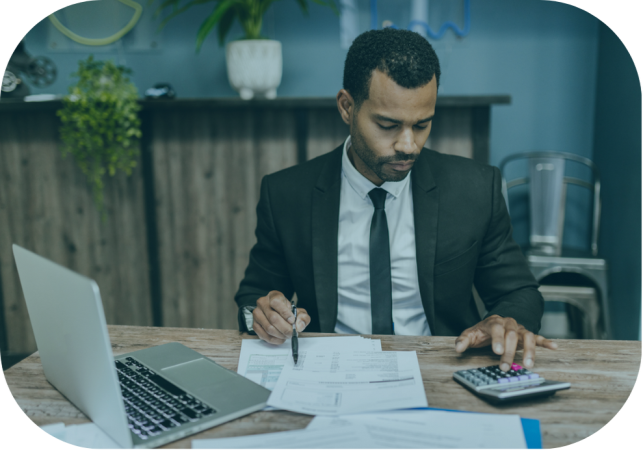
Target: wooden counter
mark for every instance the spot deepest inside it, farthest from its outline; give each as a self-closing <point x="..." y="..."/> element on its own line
<point x="179" y="230"/>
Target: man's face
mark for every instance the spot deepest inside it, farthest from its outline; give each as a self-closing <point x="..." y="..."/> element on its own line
<point x="390" y="128"/>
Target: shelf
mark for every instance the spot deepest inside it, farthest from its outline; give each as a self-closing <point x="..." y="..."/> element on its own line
<point x="9" y="105"/>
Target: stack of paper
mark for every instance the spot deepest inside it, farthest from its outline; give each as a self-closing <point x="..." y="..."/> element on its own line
<point x="334" y="375"/>
<point x="395" y="429"/>
<point x="433" y="429"/>
<point x="341" y="437"/>
<point x="361" y="398"/>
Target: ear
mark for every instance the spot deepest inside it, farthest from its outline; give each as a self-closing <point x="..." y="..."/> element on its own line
<point x="345" y="106"/>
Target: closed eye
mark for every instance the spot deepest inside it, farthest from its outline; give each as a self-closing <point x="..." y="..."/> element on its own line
<point x="382" y="127"/>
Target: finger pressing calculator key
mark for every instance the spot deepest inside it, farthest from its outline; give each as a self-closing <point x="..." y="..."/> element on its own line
<point x="496" y="386"/>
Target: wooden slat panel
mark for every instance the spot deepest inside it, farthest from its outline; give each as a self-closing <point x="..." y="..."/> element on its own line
<point x="170" y="154"/>
<point x="208" y="166"/>
<point x="451" y="132"/>
<point x="19" y="212"/>
<point x="276" y="148"/>
<point x="242" y="162"/>
<point x="46" y="206"/>
<point x="122" y="240"/>
<point x="326" y="130"/>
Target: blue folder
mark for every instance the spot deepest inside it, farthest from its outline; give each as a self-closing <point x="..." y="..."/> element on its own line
<point x="530" y="427"/>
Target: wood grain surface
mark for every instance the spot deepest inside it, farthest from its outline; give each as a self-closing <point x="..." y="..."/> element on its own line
<point x="602" y="374"/>
<point x="208" y="167"/>
<point x="176" y="242"/>
<point x="452" y="132"/>
<point x="46" y="206"/>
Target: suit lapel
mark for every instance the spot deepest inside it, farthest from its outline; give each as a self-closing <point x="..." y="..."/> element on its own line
<point x="425" y="211"/>
<point x="325" y="222"/>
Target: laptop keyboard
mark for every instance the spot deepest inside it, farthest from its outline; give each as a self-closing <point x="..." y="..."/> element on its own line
<point x="153" y="404"/>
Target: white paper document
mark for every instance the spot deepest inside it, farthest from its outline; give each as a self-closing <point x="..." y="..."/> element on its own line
<point x="341" y="437"/>
<point x="432" y="429"/>
<point x="395" y="429"/>
<point x="349" y="382"/>
<point x="86" y="435"/>
<point x="57" y="430"/>
<point x="262" y="362"/>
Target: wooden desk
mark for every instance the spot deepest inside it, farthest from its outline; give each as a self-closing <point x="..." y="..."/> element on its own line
<point x="602" y="374"/>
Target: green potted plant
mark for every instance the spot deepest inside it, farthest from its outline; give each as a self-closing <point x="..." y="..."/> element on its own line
<point x="254" y="62"/>
<point x="100" y="124"/>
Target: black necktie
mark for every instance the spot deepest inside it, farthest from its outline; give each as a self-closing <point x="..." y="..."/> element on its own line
<point x="380" y="267"/>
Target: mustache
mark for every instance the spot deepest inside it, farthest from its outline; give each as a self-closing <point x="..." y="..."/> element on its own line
<point x="398" y="158"/>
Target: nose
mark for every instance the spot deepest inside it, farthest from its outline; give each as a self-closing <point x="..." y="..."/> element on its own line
<point x="406" y="142"/>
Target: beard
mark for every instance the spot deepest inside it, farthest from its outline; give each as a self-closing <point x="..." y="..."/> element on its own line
<point x="377" y="163"/>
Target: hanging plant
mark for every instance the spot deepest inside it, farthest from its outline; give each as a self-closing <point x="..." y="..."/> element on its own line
<point x="100" y="124"/>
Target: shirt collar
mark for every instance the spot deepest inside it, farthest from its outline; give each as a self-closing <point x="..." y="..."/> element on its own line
<point x="363" y="185"/>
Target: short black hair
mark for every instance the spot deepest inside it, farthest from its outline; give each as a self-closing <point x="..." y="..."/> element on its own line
<point x="403" y="55"/>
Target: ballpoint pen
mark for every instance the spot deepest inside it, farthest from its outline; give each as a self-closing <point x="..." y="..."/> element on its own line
<point x="295" y="340"/>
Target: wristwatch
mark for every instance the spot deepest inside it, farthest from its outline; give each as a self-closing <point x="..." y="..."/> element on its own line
<point x="247" y="314"/>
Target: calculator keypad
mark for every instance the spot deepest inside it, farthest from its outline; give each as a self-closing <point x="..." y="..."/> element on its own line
<point x="493" y="376"/>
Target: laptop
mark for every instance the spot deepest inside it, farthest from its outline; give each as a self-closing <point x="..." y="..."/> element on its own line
<point x="142" y="399"/>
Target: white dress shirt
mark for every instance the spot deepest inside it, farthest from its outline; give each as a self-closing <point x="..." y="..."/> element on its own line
<point x="354" y="290"/>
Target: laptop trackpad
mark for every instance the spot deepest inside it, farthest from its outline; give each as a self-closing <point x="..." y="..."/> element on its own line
<point x="199" y="376"/>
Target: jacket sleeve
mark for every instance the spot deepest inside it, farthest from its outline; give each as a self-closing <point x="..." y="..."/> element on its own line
<point x="267" y="269"/>
<point x="503" y="279"/>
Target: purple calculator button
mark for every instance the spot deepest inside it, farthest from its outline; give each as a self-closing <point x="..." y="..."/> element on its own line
<point x="512" y="379"/>
<point x="503" y="380"/>
<point x="533" y="376"/>
<point x="523" y="377"/>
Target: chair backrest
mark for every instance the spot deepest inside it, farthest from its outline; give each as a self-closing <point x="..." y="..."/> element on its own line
<point x="547" y="193"/>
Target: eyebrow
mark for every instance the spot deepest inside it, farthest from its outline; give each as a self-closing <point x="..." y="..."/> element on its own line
<point x="388" y="119"/>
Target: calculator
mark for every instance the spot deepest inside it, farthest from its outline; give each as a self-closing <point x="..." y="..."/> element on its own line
<point x="495" y="386"/>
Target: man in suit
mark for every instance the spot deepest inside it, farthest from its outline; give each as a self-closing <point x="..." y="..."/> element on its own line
<point x="383" y="236"/>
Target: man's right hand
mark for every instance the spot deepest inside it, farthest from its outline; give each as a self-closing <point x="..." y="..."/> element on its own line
<point x="273" y="318"/>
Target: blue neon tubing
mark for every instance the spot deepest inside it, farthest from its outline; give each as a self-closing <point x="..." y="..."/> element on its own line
<point x="429" y="32"/>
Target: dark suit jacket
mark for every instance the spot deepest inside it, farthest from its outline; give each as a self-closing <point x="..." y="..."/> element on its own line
<point x="462" y="236"/>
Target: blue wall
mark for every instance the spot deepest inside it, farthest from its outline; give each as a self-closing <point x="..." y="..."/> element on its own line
<point x="617" y="152"/>
<point x="542" y="53"/>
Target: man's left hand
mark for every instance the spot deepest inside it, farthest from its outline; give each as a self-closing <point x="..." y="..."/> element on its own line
<point x="505" y="336"/>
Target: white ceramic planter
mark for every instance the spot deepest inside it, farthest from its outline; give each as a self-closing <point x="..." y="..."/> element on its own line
<point x="254" y="67"/>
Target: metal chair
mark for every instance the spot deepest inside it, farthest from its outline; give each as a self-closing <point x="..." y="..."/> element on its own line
<point x="546" y="255"/>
